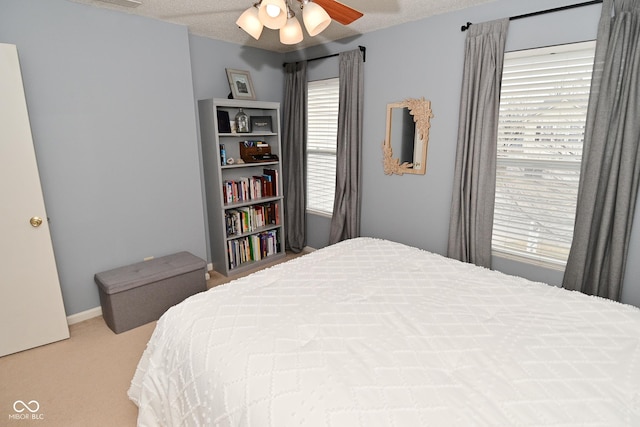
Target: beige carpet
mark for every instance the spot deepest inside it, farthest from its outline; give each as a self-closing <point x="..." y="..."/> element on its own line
<point x="82" y="381"/>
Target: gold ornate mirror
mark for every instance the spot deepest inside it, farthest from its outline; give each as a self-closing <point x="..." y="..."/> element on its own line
<point x="408" y="124"/>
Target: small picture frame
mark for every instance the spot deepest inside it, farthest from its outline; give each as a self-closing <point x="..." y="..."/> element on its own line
<point x="260" y="124"/>
<point x="224" y="125"/>
<point x="240" y="84"/>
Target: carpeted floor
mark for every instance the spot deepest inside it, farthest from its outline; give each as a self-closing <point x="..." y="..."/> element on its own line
<point x="82" y="381"/>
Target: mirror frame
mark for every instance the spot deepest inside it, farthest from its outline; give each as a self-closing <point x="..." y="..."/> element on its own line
<point x="420" y="109"/>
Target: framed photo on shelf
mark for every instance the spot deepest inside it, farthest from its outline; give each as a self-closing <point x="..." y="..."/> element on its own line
<point x="240" y="84"/>
<point x="224" y="125"/>
<point x="260" y="124"/>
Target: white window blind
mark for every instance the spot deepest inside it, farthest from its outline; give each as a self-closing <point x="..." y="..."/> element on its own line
<point x="543" y="105"/>
<point x="322" y="130"/>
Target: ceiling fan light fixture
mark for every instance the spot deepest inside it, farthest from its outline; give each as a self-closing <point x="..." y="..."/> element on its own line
<point x="315" y="18"/>
<point x="291" y="33"/>
<point x="278" y="15"/>
<point x="273" y="13"/>
<point x="250" y="22"/>
<point x="272" y="10"/>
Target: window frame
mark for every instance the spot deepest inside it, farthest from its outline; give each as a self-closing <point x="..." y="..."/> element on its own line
<point x="322" y="142"/>
<point x="543" y="143"/>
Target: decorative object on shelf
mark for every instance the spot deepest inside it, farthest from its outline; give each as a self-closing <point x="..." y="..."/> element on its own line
<point x="240" y="84"/>
<point x="279" y="15"/>
<point x="256" y="151"/>
<point x="408" y="124"/>
<point x="242" y="122"/>
<point x="260" y="124"/>
<point x="230" y="161"/>
<point x="224" y="124"/>
<point x="223" y="155"/>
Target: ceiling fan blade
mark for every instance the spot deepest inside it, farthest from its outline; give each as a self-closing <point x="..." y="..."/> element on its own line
<point x="338" y="11"/>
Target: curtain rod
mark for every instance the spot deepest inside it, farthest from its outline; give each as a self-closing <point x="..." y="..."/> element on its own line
<point x="542" y="12"/>
<point x="362" y="49"/>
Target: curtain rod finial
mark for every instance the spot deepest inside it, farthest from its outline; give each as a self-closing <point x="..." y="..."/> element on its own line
<point x="465" y="27"/>
<point x="364" y="53"/>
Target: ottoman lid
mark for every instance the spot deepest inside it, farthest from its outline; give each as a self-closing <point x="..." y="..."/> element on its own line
<point x="145" y="272"/>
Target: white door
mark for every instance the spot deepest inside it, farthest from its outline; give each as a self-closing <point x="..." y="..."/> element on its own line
<point x="31" y="309"/>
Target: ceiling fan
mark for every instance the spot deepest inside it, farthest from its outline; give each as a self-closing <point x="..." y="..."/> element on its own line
<point x="339" y="12"/>
<point x="279" y="15"/>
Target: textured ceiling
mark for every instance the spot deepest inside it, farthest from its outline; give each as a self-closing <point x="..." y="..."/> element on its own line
<point x="216" y="18"/>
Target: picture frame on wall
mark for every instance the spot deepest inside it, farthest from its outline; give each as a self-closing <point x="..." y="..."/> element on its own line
<point x="240" y="84"/>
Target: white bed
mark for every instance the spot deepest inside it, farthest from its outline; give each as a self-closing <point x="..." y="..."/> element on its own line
<point x="374" y="333"/>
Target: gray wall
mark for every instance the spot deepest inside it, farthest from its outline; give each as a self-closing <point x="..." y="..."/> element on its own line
<point x="425" y="58"/>
<point x="209" y="58"/>
<point x="110" y="98"/>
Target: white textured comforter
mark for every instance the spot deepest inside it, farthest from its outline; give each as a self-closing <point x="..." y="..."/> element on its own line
<point x="373" y="333"/>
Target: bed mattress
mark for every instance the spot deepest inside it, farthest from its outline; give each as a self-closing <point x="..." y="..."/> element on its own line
<point x="370" y="332"/>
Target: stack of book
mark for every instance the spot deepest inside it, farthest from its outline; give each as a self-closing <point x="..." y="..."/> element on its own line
<point x="251" y="218"/>
<point x="252" y="187"/>
<point x="252" y="248"/>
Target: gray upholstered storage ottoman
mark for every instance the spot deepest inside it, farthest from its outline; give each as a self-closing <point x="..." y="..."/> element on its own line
<point x="140" y="293"/>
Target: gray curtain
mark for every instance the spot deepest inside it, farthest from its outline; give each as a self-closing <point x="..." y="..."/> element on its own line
<point x="294" y="135"/>
<point x="611" y="157"/>
<point x="474" y="183"/>
<point x="345" y="222"/>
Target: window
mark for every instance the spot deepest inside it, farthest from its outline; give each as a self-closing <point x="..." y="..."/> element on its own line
<point x="543" y="106"/>
<point x="322" y="131"/>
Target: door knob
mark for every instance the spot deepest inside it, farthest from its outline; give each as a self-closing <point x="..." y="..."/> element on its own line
<point x="35" y="221"/>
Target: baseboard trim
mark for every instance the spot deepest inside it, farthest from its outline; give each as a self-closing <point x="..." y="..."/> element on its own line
<point x="97" y="311"/>
<point x="84" y="315"/>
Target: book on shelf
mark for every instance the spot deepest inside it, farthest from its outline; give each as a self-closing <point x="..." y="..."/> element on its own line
<point x="250" y="218"/>
<point x="273" y="178"/>
<point x="240" y="190"/>
<point x="251" y="188"/>
<point x="252" y="248"/>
